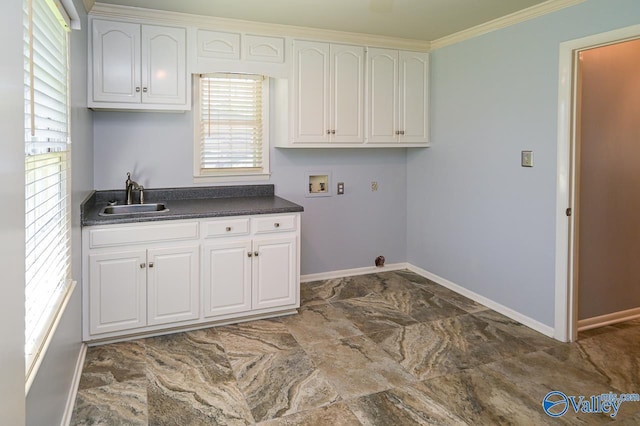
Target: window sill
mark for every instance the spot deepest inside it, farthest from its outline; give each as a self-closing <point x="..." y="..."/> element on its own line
<point x="32" y="370"/>
<point x="227" y="177"/>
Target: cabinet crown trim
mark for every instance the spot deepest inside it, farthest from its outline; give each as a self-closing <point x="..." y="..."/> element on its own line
<point x="226" y="24"/>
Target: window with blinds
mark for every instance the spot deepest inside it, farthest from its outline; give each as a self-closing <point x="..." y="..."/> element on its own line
<point x="231" y="115"/>
<point x="47" y="169"/>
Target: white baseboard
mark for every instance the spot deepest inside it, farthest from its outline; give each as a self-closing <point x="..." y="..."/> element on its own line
<point x="73" y="392"/>
<point x="352" y="272"/>
<point x="514" y="315"/>
<point x="608" y="319"/>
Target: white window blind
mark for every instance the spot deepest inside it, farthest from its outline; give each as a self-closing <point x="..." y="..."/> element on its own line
<point x="231" y="125"/>
<point x="47" y="202"/>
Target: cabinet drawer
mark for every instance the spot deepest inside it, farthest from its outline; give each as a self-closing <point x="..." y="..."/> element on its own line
<point x="226" y="228"/>
<point x="113" y="236"/>
<point x="274" y="224"/>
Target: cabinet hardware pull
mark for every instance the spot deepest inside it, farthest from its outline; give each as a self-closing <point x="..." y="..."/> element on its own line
<point x="249" y="254"/>
<point x="277" y="225"/>
<point x="144" y="89"/>
<point x="137" y="90"/>
<point x="143" y="265"/>
<point x="255" y="253"/>
<point x="150" y="264"/>
<point x="228" y="228"/>
<point x="397" y="132"/>
<point x="402" y="132"/>
<point x="333" y="132"/>
<point x="328" y="132"/>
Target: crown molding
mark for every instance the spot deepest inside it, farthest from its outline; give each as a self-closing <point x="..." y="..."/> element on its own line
<point x="523" y="15"/>
<point x="88" y="4"/>
<point x="226" y="24"/>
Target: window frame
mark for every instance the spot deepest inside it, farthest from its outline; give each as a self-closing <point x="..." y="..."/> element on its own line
<point x="37" y="154"/>
<point x="229" y="175"/>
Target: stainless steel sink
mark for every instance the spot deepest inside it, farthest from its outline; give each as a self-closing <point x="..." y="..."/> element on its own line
<point x="134" y="209"/>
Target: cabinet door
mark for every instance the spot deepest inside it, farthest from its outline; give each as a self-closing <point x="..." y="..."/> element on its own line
<point x="347" y="87"/>
<point x="275" y="273"/>
<point x="173" y="278"/>
<point x="116" y="61"/>
<point x="164" y="65"/>
<point x="117" y="291"/>
<point x="414" y="97"/>
<point x="226" y="278"/>
<point x="382" y="102"/>
<point x="310" y="94"/>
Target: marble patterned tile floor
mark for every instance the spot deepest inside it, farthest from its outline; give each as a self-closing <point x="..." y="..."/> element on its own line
<point x="391" y="348"/>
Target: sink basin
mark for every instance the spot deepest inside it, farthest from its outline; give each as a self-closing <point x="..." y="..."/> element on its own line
<point x="134" y="209"/>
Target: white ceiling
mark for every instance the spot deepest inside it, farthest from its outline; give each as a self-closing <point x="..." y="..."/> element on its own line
<point x="425" y="20"/>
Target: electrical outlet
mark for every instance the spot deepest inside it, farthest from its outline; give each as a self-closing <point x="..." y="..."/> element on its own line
<point x="374" y="186"/>
<point x="340" y="190"/>
<point x="526" y="159"/>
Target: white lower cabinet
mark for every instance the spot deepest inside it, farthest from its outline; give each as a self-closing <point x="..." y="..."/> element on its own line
<point x="249" y="275"/>
<point x="132" y="289"/>
<point x="274" y="272"/>
<point x="173" y="278"/>
<point x="227" y="278"/>
<point x="147" y="278"/>
<point x="117" y="291"/>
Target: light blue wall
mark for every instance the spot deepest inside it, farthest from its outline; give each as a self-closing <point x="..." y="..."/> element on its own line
<point x="47" y="397"/>
<point x="12" y="232"/>
<point x="338" y="232"/>
<point x="474" y="216"/>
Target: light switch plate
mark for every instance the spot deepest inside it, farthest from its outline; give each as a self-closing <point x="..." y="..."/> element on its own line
<point x="340" y="188"/>
<point x="527" y="159"/>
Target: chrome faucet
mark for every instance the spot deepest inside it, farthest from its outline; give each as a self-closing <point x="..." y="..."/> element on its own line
<point x="131" y="185"/>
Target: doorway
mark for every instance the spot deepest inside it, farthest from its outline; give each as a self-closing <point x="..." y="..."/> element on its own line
<point x="608" y="181"/>
<point x="571" y="123"/>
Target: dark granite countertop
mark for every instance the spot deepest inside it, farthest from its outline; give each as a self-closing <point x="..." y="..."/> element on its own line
<point x="189" y="203"/>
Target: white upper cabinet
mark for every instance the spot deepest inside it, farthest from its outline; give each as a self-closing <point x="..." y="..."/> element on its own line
<point x="414" y="98"/>
<point x="236" y="52"/>
<point x="116" y="62"/>
<point x="327" y="103"/>
<point x="382" y="85"/>
<point x="310" y="97"/>
<point x="218" y="44"/>
<point x="136" y="66"/>
<point x="263" y="49"/>
<point x="397" y="97"/>
<point x="164" y="70"/>
<point x="347" y="94"/>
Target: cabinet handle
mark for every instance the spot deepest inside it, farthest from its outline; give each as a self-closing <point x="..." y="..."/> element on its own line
<point x="333" y="132"/>
<point x="402" y="132"/>
<point x="255" y="253"/>
<point x="249" y="254"/>
<point x="276" y="225"/>
<point x="150" y="264"/>
<point x="228" y="229"/>
<point x="144" y="89"/>
<point x="137" y="90"/>
<point x="143" y="265"/>
<point x="397" y="132"/>
<point x="328" y="132"/>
